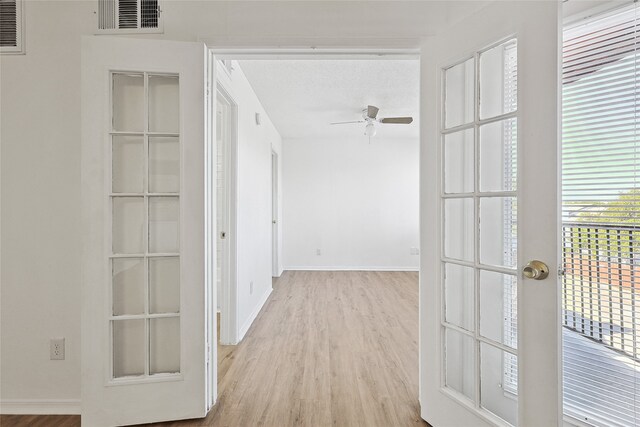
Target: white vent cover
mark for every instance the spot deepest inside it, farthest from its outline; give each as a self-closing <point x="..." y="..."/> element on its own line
<point x="11" y="26"/>
<point x="128" y="16"/>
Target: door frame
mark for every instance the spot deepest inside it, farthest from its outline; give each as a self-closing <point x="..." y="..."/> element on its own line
<point x="238" y="48"/>
<point x="241" y="48"/>
<point x="229" y="300"/>
<point x="275" y="214"/>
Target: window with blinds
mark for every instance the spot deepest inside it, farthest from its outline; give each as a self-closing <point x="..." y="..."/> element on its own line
<point x="11" y="27"/>
<point x="601" y="219"/>
<point x="117" y="16"/>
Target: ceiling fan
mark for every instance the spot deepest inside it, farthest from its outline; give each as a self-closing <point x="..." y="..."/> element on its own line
<point x="370" y="117"/>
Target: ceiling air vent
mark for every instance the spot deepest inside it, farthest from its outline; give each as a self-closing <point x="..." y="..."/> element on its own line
<point x="129" y="16"/>
<point x="11" y="31"/>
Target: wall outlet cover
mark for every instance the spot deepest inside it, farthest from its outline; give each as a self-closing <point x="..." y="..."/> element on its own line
<point x="56" y="349"/>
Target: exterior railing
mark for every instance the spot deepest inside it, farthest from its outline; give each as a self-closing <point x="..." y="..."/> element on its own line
<point x="601" y="284"/>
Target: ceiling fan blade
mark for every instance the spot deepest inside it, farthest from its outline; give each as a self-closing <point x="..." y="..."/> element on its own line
<point x="372" y="111"/>
<point x="344" y="123"/>
<point x="397" y="120"/>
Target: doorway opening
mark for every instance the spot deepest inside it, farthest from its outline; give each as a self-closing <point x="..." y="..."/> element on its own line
<point x="337" y="209"/>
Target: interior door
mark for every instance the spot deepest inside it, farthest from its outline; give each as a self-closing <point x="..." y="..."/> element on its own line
<point x="146" y="256"/>
<point x="490" y="351"/>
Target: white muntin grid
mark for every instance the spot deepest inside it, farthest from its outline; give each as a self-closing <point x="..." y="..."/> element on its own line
<point x="146" y="255"/>
<point x="509" y="198"/>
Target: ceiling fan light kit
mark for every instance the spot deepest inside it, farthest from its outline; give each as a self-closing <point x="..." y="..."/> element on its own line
<point x="370" y="130"/>
<point x="370" y="117"/>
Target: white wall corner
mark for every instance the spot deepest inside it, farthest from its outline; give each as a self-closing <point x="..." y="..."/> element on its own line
<point x="243" y="331"/>
<point x="40" y="407"/>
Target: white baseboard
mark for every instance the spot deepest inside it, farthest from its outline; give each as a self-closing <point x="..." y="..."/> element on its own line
<point x="349" y="268"/>
<point x="40" y="407"/>
<point x="243" y="331"/>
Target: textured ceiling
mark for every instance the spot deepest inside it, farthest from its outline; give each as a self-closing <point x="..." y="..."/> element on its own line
<point x="303" y="96"/>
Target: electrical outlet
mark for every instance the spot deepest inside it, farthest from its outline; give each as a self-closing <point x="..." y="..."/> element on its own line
<point x="414" y="251"/>
<point x="318" y="252"/>
<point x="250" y="288"/>
<point x="56" y="349"/>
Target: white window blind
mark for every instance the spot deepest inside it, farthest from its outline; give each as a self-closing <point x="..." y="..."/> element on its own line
<point x="129" y="16"/>
<point x="11" y="27"/>
<point x="510" y="237"/>
<point x="601" y="219"/>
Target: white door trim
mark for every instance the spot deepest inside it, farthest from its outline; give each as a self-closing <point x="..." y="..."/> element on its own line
<point x="275" y="217"/>
<point x="229" y="334"/>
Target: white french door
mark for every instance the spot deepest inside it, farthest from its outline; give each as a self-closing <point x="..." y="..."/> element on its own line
<point x="490" y="352"/>
<point x="145" y="273"/>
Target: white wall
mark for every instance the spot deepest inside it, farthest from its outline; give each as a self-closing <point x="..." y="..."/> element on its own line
<point x="40" y="236"/>
<point x="355" y="201"/>
<point x="40" y="153"/>
<point x="255" y="143"/>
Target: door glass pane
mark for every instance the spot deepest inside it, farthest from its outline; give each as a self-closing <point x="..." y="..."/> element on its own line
<point x="164" y="285"/>
<point x="499" y="80"/>
<point x="498" y="231"/>
<point x="458" y="166"/>
<point x="459" y="360"/>
<point x="128" y="347"/>
<point x="459" y="230"/>
<point x="499" y="307"/>
<point x="164" y="165"/>
<point x="128" y="225"/>
<point x="164" y="104"/>
<point x="127" y="164"/>
<point x="459" y="93"/>
<point x="164" y="345"/>
<point x="128" y="286"/>
<point x="164" y="223"/>
<point x="459" y="296"/>
<point x="498" y="156"/>
<point x="478" y="228"/>
<point x="498" y="382"/>
<point x="145" y="223"/>
<point x="128" y="102"/>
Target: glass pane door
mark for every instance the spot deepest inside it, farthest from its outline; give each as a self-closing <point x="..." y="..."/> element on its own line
<point x="479" y="253"/>
<point x="145" y="226"/>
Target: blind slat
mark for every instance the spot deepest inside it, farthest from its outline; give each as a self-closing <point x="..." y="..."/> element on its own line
<point x="601" y="219"/>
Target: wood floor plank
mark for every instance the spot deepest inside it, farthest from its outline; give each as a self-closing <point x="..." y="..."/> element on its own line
<point x="328" y="349"/>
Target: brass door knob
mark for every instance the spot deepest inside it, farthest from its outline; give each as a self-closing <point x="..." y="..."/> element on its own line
<point x="536" y="270"/>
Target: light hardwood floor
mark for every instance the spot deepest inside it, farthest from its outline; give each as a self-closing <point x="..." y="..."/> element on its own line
<point x="327" y="349"/>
